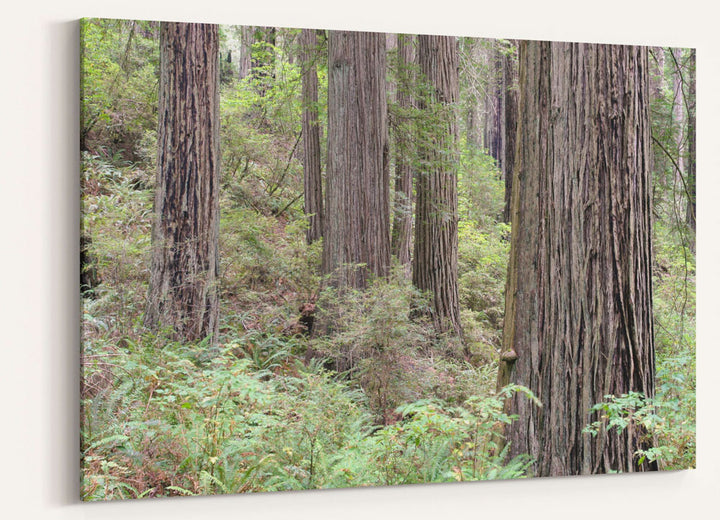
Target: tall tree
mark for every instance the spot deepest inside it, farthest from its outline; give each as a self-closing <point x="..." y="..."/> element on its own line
<point x="402" y="205"/>
<point x="182" y="294"/>
<point x="679" y="113"/>
<point x="691" y="205"/>
<point x="436" y="224"/>
<point x="311" y="136"/>
<point x="493" y="104"/>
<point x="578" y="318"/>
<point x="472" y="57"/>
<point x="510" y="117"/>
<point x="247" y="38"/>
<point x="357" y="210"/>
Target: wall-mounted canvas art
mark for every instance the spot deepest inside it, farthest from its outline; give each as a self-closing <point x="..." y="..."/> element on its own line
<point x="316" y="258"/>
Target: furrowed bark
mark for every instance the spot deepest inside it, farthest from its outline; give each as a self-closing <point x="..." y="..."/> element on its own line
<point x="314" y="209"/>
<point x="182" y="294"/>
<point x="436" y="222"/>
<point x="579" y="295"/>
<point x="357" y="209"/>
<point x="403" y="204"/>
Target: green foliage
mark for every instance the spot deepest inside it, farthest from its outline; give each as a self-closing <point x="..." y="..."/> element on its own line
<point x="481" y="189"/>
<point x="435" y="442"/>
<point x="482" y="254"/>
<point x="675" y="400"/>
<point x="260" y="170"/>
<point x="670" y="437"/>
<point x="372" y="334"/>
<point x="270" y="94"/>
<point x="119" y="90"/>
<point x="117" y="221"/>
<point x="172" y="424"/>
<point x="267" y="270"/>
<point x="674" y="274"/>
<point x="396" y="357"/>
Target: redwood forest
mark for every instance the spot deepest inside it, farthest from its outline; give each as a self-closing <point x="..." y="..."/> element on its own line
<point x="320" y="258"/>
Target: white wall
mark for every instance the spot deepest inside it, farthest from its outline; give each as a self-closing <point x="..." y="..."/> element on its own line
<point x="39" y="211"/>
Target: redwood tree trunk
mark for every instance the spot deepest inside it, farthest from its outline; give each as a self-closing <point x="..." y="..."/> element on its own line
<point x="492" y="105"/>
<point x="510" y="117"/>
<point x="357" y="224"/>
<point x="311" y="137"/>
<point x="436" y="223"/>
<point x="403" y="204"/>
<point x="182" y="295"/>
<point x="578" y="319"/>
<point x="497" y="122"/>
<point x="474" y="123"/>
<point x="246" y="40"/>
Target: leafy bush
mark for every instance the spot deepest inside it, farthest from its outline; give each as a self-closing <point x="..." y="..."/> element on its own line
<point x="117" y="221"/>
<point x="438" y="443"/>
<point x="670" y="437"/>
<point x="371" y="334"/>
<point x="482" y="255"/>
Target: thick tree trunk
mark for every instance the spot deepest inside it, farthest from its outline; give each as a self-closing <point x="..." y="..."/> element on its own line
<point x="311" y="136"/>
<point x="436" y="231"/>
<point x="182" y="295"/>
<point x="578" y="319"/>
<point x="510" y="118"/>
<point x="357" y="209"/>
<point x="403" y="203"/>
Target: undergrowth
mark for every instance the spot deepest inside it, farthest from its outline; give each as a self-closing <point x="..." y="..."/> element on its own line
<point x="174" y="421"/>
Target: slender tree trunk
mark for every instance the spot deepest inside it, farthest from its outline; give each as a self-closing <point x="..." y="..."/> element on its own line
<point x="474" y="130"/>
<point x="510" y="117"/>
<point x="492" y="111"/>
<point x="246" y="41"/>
<point x="357" y="223"/>
<point x="182" y="295"/>
<point x="436" y="233"/>
<point x="311" y="136"/>
<point x="679" y="116"/>
<point x="471" y="127"/>
<point x="498" y="109"/>
<point x="578" y="318"/>
<point x="691" y="206"/>
<point x="656" y="58"/>
<point x="403" y="204"/>
<point x="287" y="43"/>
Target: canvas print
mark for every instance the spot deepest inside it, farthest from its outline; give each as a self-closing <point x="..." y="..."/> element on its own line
<point x="316" y="258"/>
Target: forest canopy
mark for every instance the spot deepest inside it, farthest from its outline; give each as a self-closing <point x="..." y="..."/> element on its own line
<point x="321" y="259"/>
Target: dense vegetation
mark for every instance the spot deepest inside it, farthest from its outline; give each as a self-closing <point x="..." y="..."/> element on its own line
<point x="379" y="398"/>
